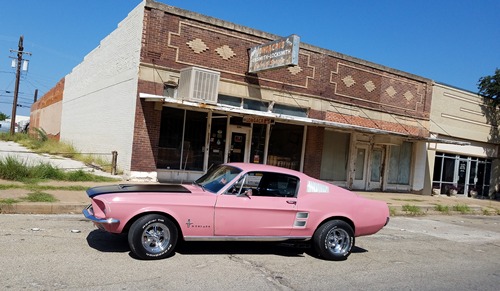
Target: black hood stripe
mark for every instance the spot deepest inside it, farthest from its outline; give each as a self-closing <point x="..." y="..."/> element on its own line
<point x="136" y="188"/>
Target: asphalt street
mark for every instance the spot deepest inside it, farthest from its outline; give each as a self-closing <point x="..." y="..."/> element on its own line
<point x="53" y="252"/>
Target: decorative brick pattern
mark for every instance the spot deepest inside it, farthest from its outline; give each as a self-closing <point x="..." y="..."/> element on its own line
<point x="225" y="52"/>
<point x="197" y="45"/>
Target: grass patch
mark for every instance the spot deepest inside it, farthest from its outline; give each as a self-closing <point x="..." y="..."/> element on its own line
<point x="442" y="208"/>
<point x="412" y="210"/>
<point x="462" y="208"/>
<point x="392" y="211"/>
<point x="40" y="197"/>
<point x="8" y="201"/>
<point x="35" y="187"/>
<point x="10" y="186"/>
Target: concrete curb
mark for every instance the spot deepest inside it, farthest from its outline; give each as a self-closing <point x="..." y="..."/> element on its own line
<point x="42" y="208"/>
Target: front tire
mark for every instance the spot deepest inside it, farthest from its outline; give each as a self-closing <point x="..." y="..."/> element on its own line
<point x="152" y="237"/>
<point x="334" y="240"/>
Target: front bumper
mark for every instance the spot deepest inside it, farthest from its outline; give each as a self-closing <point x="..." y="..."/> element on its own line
<point x="89" y="214"/>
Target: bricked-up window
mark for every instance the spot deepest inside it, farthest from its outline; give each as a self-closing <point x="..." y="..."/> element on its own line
<point x="400" y="164"/>
<point x="335" y="156"/>
<point x="182" y="139"/>
<point x="285" y="145"/>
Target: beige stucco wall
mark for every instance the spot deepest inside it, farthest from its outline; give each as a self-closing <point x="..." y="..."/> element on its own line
<point x="461" y="114"/>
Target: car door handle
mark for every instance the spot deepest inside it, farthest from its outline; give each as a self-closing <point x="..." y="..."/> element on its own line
<point x="291" y="202"/>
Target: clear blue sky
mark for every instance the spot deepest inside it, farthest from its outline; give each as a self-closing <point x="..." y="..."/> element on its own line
<point x="450" y="41"/>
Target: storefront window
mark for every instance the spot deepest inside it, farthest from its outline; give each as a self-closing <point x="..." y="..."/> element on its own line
<point x="335" y="156"/>
<point x="466" y="173"/>
<point x="182" y="139"/>
<point x="399" y="164"/>
<point x="285" y="145"/>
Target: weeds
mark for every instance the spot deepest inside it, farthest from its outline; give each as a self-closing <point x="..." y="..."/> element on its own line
<point x="40" y="197"/>
<point x="15" y="170"/>
<point x="8" y="201"/>
<point x="392" y="211"/>
<point x="442" y="208"/>
<point x="412" y="210"/>
<point x="42" y="144"/>
<point x="462" y="208"/>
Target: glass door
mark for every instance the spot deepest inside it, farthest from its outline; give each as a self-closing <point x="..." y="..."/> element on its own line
<point x="239" y="145"/>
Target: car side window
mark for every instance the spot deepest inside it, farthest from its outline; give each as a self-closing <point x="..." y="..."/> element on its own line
<point x="277" y="185"/>
<point x="246" y="185"/>
<point x="266" y="184"/>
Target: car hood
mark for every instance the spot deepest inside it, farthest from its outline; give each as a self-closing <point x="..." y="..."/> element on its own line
<point x="137" y="188"/>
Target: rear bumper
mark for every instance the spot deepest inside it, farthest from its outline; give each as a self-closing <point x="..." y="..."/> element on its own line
<point x="89" y="214"/>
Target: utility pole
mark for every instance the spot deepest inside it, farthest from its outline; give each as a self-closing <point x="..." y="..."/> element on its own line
<point x="20" y="52"/>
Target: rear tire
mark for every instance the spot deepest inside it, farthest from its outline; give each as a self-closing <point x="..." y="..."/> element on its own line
<point x="334" y="240"/>
<point x="152" y="237"/>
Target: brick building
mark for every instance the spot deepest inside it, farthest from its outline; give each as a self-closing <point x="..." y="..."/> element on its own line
<point x="170" y="90"/>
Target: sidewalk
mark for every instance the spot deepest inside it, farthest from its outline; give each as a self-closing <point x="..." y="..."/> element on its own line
<point x="75" y="201"/>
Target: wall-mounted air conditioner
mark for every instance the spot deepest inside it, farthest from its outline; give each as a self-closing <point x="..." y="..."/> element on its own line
<point x="199" y="85"/>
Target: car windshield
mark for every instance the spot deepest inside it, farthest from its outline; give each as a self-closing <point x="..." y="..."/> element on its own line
<point x="217" y="177"/>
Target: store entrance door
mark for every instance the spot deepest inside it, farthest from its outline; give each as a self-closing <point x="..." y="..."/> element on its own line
<point x="360" y="171"/>
<point x="239" y="147"/>
<point x="376" y="168"/>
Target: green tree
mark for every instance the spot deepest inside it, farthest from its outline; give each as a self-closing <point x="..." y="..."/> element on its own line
<point x="3" y="116"/>
<point x="489" y="87"/>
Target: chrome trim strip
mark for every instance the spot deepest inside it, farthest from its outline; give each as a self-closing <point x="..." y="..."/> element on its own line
<point x="246" y="238"/>
<point x="87" y="212"/>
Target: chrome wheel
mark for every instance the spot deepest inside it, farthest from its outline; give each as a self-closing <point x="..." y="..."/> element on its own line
<point x="152" y="236"/>
<point x="338" y="241"/>
<point x="156" y="238"/>
<point x="334" y="240"/>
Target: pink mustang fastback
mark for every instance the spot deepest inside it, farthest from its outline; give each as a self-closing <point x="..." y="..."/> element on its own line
<point x="247" y="202"/>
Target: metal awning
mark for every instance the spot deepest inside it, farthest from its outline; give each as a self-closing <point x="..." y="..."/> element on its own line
<point x="293" y="119"/>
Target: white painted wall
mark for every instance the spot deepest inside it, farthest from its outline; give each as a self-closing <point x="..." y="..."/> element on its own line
<point x="100" y="94"/>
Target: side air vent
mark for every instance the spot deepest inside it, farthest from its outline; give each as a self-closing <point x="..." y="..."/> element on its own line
<point x="199" y="85"/>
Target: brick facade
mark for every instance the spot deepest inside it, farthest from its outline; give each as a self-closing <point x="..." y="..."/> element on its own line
<point x="175" y="43"/>
<point x="146" y="131"/>
<point x="313" y="154"/>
